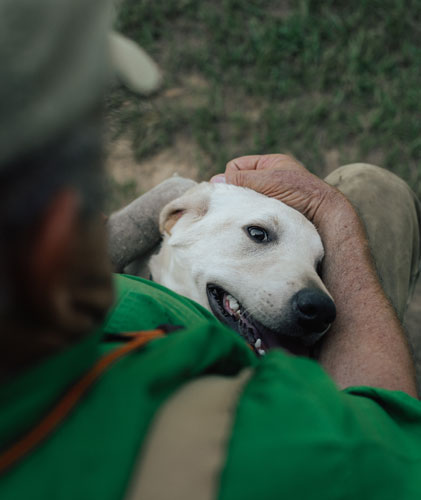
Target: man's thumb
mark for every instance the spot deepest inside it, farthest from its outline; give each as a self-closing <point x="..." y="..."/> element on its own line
<point x="218" y="178"/>
<point x="244" y="178"/>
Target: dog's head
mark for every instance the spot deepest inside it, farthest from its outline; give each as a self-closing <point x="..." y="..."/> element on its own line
<point x="252" y="260"/>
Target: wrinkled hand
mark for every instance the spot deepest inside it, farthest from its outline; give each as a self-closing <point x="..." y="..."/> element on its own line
<point x="284" y="178"/>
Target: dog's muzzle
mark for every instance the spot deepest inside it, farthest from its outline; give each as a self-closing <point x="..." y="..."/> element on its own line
<point x="310" y="315"/>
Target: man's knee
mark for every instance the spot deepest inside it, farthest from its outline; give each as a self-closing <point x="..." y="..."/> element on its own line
<point x="392" y="217"/>
<point x="366" y="179"/>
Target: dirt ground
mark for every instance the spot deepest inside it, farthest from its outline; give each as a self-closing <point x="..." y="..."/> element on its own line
<point x="180" y="159"/>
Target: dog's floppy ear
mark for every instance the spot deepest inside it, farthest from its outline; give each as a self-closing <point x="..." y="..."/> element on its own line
<point x="171" y="219"/>
<point x="194" y="202"/>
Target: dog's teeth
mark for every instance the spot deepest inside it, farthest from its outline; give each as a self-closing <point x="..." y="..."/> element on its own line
<point x="262" y="352"/>
<point x="258" y="343"/>
<point x="234" y="305"/>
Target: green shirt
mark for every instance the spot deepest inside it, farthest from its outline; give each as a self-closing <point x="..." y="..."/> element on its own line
<point x="295" y="435"/>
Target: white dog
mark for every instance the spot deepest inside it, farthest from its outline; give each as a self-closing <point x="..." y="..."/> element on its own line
<point x="249" y="259"/>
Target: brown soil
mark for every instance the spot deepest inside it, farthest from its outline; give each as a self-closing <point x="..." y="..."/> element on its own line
<point x="179" y="159"/>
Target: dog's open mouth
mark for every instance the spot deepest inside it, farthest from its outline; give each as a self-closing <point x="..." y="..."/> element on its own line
<point x="229" y="311"/>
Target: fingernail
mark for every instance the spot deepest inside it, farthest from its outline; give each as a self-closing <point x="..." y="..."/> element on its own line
<point x="218" y="178"/>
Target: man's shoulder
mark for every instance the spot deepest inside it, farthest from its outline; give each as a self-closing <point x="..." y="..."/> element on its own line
<point x="98" y="442"/>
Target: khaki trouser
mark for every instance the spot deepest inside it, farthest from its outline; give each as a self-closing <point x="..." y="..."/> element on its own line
<point x="392" y="217"/>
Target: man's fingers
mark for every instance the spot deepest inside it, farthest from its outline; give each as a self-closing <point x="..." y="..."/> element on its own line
<point x="265" y="182"/>
<point x="218" y="178"/>
<point x="284" y="178"/>
<point x="296" y="187"/>
<point x="243" y="163"/>
<point x="264" y="162"/>
<point x="240" y="177"/>
<point x="256" y="162"/>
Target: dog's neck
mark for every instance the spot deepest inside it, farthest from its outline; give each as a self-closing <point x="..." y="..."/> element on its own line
<point x="168" y="268"/>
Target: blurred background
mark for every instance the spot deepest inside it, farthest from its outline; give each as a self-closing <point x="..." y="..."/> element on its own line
<point x="329" y="81"/>
<point x="332" y="82"/>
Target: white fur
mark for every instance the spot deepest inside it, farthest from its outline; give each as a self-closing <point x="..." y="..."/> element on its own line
<point x="209" y="244"/>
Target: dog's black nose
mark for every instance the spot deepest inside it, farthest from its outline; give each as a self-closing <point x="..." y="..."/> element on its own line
<point x="314" y="310"/>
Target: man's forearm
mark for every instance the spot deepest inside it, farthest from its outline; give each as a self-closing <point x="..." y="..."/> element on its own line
<point x="367" y="344"/>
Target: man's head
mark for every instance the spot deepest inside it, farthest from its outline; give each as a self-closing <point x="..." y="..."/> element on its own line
<point x="54" y="273"/>
<point x="55" y="282"/>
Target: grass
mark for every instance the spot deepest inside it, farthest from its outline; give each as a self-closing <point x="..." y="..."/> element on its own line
<point x="331" y="82"/>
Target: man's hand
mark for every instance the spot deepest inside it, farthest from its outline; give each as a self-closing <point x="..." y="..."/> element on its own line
<point x="284" y="178"/>
<point x="366" y="345"/>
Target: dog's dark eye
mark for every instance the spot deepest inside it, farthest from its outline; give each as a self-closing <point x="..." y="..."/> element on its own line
<point x="258" y="234"/>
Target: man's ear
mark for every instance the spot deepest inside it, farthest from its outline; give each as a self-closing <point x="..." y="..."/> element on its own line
<point x="194" y="202"/>
<point x="54" y="238"/>
<point x="68" y="278"/>
<point x="49" y="256"/>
